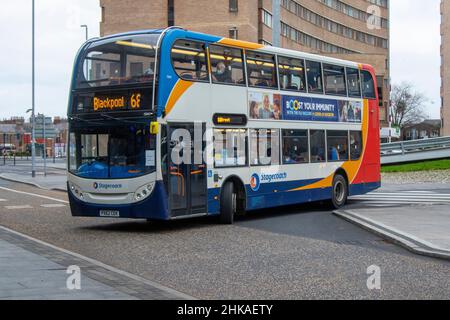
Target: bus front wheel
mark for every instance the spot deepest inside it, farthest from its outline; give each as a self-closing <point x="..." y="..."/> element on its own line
<point x="339" y="191"/>
<point x="228" y="203"/>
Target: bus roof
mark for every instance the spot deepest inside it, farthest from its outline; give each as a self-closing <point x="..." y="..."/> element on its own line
<point x="239" y="43"/>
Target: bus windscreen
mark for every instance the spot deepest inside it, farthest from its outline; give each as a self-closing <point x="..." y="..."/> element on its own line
<point x="118" y="61"/>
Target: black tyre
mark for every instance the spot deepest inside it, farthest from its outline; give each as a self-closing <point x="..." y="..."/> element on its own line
<point x="227" y="203"/>
<point x="339" y="191"/>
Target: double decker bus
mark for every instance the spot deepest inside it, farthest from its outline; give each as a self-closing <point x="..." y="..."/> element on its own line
<point x="171" y="124"/>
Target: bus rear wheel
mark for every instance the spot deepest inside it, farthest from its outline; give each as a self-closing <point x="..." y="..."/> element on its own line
<point x="228" y="200"/>
<point x="339" y="191"/>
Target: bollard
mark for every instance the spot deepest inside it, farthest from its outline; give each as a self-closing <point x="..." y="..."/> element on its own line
<point x="14" y="160"/>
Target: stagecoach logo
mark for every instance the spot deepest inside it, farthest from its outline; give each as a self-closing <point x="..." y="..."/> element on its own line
<point x="105" y="186"/>
<point x="255" y="182"/>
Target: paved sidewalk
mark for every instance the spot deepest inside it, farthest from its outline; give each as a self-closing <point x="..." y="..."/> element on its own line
<point x="32" y="270"/>
<point x="423" y="229"/>
<point x="50" y="182"/>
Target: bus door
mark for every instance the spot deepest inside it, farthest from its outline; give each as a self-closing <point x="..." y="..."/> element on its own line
<point x="187" y="176"/>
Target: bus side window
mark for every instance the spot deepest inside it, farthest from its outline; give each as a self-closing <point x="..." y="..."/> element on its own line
<point x="317" y="144"/>
<point x="295" y="146"/>
<point x="356" y="145"/>
<point x="353" y="83"/>
<point x="261" y="70"/>
<point x="230" y="148"/>
<point x="189" y="60"/>
<point x="292" y="74"/>
<point x="264" y="147"/>
<point x="314" y="72"/>
<point x="334" y="80"/>
<point x="368" y="85"/>
<point x="337" y="142"/>
<point x="227" y="65"/>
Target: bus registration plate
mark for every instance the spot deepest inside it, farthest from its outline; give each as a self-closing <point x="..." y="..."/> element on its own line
<point x="109" y="214"/>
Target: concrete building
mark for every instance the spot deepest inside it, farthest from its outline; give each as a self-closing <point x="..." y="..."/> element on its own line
<point x="356" y="30"/>
<point x="445" y="67"/>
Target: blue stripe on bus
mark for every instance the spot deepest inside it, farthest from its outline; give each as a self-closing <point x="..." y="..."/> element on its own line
<point x="266" y="197"/>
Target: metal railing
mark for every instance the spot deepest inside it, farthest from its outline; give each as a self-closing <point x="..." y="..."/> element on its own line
<point x="414" y="146"/>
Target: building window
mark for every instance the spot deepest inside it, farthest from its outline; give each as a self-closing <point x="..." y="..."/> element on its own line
<point x="103" y="14"/>
<point x="171" y="13"/>
<point x="233" y="33"/>
<point x="234" y="6"/>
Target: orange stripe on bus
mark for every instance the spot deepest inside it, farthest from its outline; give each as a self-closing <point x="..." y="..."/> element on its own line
<point x="241" y="44"/>
<point x="180" y="88"/>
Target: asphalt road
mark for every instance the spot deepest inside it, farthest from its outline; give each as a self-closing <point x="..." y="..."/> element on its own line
<point x="300" y="252"/>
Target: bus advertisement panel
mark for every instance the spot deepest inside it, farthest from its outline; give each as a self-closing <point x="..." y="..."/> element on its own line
<point x="267" y="106"/>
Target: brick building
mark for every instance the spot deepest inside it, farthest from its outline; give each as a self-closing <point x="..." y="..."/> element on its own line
<point x="355" y="30"/>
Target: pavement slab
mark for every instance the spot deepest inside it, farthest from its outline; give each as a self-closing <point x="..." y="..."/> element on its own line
<point x="423" y="229"/>
<point x="33" y="271"/>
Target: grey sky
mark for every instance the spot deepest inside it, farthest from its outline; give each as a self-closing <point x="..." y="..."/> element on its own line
<point x="415" y="43"/>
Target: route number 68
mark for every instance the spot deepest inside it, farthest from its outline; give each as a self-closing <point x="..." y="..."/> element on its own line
<point x="136" y="101"/>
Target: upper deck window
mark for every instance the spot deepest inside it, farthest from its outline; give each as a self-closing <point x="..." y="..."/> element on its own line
<point x="227" y="65"/>
<point x="353" y="83"/>
<point x="314" y="71"/>
<point x="119" y="61"/>
<point x="368" y="85"/>
<point x="261" y="70"/>
<point x="189" y="60"/>
<point x="292" y="74"/>
<point x="334" y="80"/>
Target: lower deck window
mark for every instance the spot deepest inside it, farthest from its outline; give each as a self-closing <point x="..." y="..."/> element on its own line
<point x="356" y="145"/>
<point x="265" y="147"/>
<point x="318" y="150"/>
<point x="295" y="146"/>
<point x="337" y="145"/>
<point x="230" y="148"/>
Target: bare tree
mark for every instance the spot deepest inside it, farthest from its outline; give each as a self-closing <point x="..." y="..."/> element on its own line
<point x="408" y="105"/>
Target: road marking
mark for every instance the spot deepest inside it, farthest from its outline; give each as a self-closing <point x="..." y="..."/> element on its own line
<point x="49" y="206"/>
<point x="3" y="200"/>
<point x="18" y="207"/>
<point x="174" y="292"/>
<point x="411" y="197"/>
<point x="34" y="195"/>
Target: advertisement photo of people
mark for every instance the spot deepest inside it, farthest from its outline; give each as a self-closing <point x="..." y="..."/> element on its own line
<point x="265" y="106"/>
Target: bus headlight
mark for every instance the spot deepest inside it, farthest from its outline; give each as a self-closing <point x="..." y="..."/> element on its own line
<point x="144" y="191"/>
<point x="76" y="191"/>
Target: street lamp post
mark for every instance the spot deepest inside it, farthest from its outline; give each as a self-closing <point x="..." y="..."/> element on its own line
<point x="45" y="146"/>
<point x="87" y="30"/>
<point x="33" y="118"/>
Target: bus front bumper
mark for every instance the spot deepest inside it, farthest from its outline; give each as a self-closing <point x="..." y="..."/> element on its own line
<point x="155" y="207"/>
